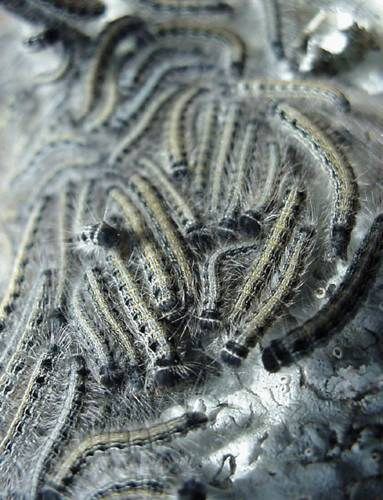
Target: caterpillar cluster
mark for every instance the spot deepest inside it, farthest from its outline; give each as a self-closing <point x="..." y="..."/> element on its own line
<point x="173" y="220"/>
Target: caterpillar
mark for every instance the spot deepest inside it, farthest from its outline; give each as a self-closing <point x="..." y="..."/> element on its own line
<point x="336" y="164"/>
<point x="125" y="439"/>
<point x="338" y="311"/>
<point x="71" y="405"/>
<point x="238" y="346"/>
<point x="258" y="272"/>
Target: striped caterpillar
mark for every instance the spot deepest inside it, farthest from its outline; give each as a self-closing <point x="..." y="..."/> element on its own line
<point x="338" y="311"/>
<point x="125" y="439"/>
